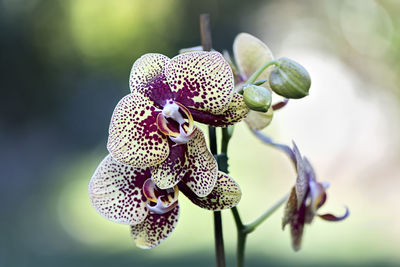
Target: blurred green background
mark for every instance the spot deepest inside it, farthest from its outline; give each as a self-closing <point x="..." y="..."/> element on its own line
<point x="65" y="64"/>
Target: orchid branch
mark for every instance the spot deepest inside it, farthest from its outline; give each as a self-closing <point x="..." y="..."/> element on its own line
<point x="244" y="229"/>
<point x="253" y="78"/>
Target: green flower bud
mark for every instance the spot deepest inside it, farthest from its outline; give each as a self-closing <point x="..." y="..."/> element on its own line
<point x="257" y="98"/>
<point x="289" y="79"/>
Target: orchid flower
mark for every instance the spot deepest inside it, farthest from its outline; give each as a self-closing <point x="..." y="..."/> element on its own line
<point x="250" y="54"/>
<point x="306" y="197"/>
<point x="128" y="195"/>
<point x="154" y="127"/>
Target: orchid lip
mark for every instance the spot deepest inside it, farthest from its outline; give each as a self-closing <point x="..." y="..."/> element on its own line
<point x="172" y="110"/>
<point x="158" y="200"/>
<point x="160" y="207"/>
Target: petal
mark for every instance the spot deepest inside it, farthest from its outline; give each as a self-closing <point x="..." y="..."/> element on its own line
<point x="237" y="110"/>
<point x="238" y="79"/>
<point x="146" y="69"/>
<point x="250" y="54"/>
<point x="202" y="170"/>
<point x="309" y="169"/>
<point x="171" y="171"/>
<point x="192" y="49"/>
<point x="309" y="214"/>
<point x="225" y="195"/>
<point x="317" y="194"/>
<point x="147" y="78"/>
<point x="201" y="80"/>
<point x="302" y="180"/>
<point x="134" y="138"/>
<point x="155" y="228"/>
<point x="284" y="148"/>
<point x="259" y="120"/>
<point x="297" y="227"/>
<point x="333" y="218"/>
<point x="115" y="191"/>
<point x="290" y="208"/>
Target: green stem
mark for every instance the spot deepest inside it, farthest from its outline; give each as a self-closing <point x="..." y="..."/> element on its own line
<point x="252" y="226"/>
<point x="237" y="218"/>
<point x="241" y="237"/>
<point x="240" y="249"/>
<point x="244" y="229"/>
<point x="225" y="140"/>
<point x="213" y="140"/>
<point x="218" y="234"/>
<point x="255" y="75"/>
<point x="219" y="240"/>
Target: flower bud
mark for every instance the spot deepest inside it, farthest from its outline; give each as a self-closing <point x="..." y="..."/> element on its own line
<point x="289" y="79"/>
<point x="257" y="98"/>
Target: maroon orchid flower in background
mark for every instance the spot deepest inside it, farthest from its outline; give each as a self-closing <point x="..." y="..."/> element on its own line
<point x="306" y="197"/>
<point x="128" y="195"/>
<point x="154" y="125"/>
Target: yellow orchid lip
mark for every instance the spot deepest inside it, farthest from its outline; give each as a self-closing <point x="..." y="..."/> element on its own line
<point x="172" y="110"/>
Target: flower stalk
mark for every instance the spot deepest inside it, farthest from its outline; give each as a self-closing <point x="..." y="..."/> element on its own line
<point x="252" y="226"/>
<point x="253" y="78"/>
<point x="243" y="229"/>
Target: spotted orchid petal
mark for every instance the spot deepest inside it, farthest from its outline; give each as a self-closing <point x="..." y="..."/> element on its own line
<point x="295" y="218"/>
<point x="259" y="120"/>
<point x="290" y="208"/>
<point x="147" y="78"/>
<point x="236" y="111"/>
<point x="171" y="171"/>
<point x="134" y="138"/>
<point x="250" y="54"/>
<point x="202" y="170"/>
<point x="201" y="80"/>
<point x="155" y="228"/>
<point x="302" y="180"/>
<point x="145" y="70"/>
<point x="116" y="191"/>
<point x="297" y="227"/>
<point x="225" y="194"/>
